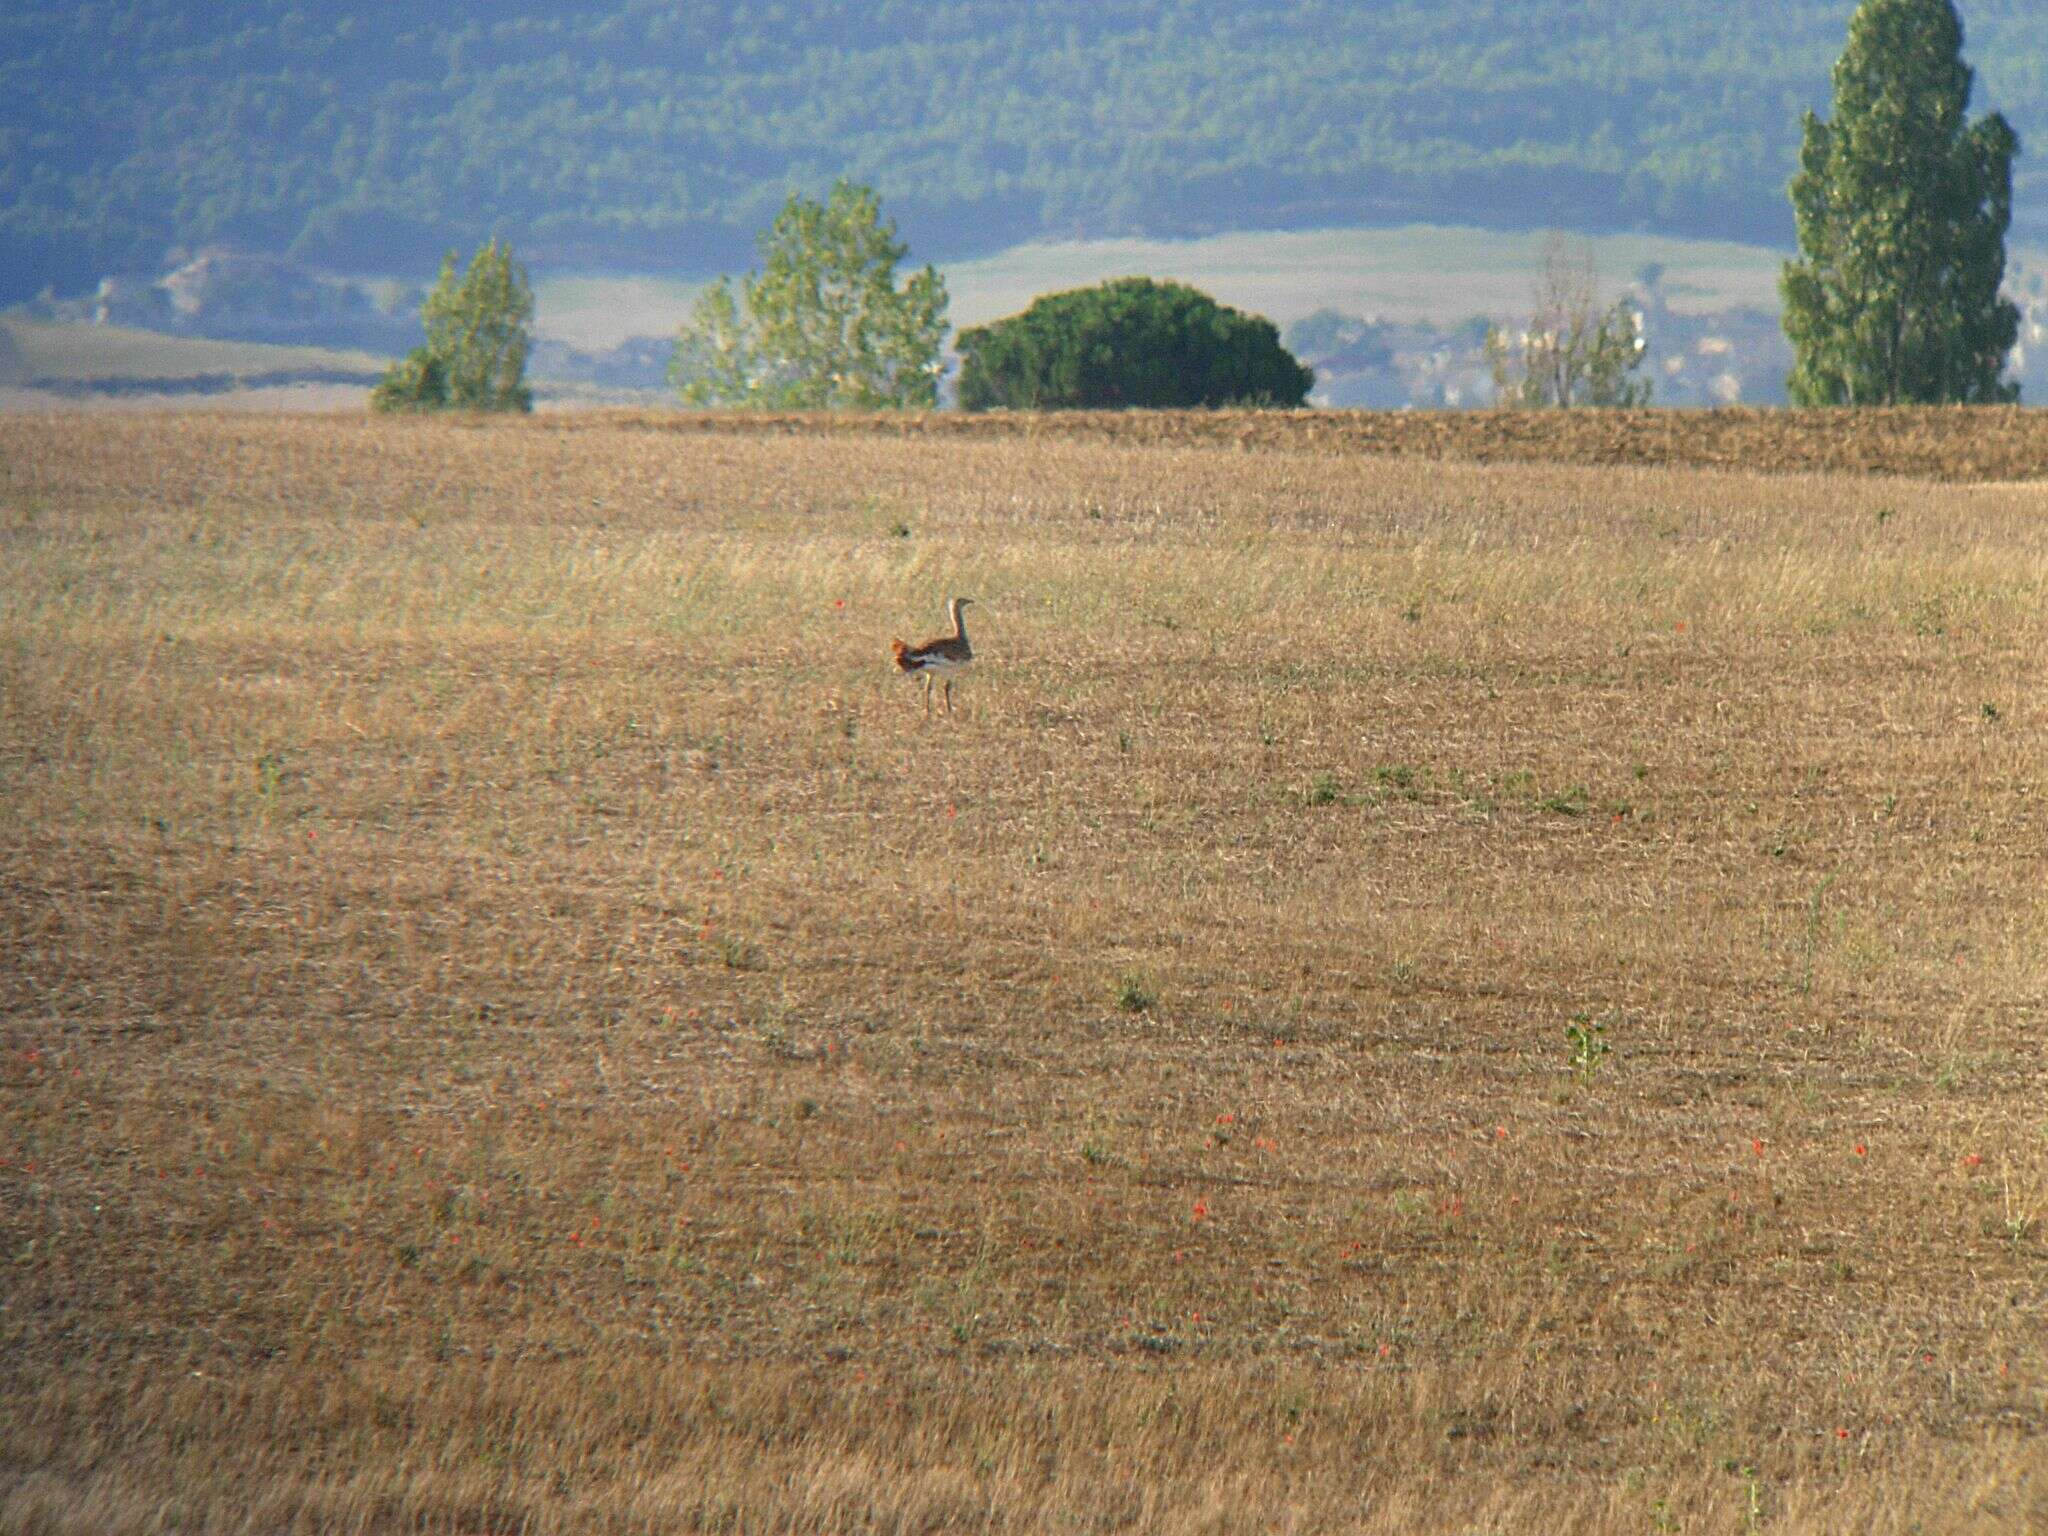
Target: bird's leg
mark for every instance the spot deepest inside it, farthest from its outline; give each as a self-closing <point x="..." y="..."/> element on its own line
<point x="927" y="693"/>
<point x="949" y="695"/>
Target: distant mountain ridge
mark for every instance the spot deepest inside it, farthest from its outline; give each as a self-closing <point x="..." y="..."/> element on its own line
<point x="661" y="136"/>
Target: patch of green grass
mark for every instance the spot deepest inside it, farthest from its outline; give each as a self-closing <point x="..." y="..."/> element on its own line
<point x="1586" y="1038"/>
<point x="1398" y="781"/>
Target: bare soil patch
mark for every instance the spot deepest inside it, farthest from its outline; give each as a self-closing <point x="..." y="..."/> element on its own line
<point x="1956" y="443"/>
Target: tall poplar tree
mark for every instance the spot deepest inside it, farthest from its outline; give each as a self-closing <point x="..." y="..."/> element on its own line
<point x="1902" y="206"/>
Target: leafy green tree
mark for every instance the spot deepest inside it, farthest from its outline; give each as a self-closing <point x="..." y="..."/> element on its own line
<point x="824" y="324"/>
<point x="475" y="356"/>
<point x="416" y="382"/>
<point x="1573" y="352"/>
<point x="1131" y="342"/>
<point x="1902" y="205"/>
<point x="715" y="360"/>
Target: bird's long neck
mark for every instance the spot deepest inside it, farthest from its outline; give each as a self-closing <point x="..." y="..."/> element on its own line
<point x="959" y="622"/>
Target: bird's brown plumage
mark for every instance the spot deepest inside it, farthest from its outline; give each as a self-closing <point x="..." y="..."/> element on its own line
<point x="946" y="651"/>
<point x="932" y="653"/>
<point x="943" y="655"/>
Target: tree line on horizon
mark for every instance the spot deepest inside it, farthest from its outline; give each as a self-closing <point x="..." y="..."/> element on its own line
<point x="1902" y="207"/>
<point x="348" y="135"/>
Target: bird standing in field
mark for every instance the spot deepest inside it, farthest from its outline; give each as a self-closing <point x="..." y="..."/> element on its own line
<point x="939" y="658"/>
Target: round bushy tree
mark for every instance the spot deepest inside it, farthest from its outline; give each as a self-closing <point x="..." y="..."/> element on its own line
<point x="1132" y="342"/>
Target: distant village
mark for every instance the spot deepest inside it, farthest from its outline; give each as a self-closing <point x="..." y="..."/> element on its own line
<point x="1693" y="358"/>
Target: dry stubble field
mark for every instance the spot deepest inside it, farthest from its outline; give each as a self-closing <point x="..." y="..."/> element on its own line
<point x="513" y="1020"/>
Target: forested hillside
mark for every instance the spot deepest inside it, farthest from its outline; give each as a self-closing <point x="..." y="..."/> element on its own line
<point x="649" y="133"/>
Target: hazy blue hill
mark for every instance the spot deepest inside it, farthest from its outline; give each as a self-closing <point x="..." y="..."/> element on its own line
<point x="647" y="134"/>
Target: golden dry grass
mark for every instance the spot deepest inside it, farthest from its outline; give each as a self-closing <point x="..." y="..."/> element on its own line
<point x="513" y="1020"/>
